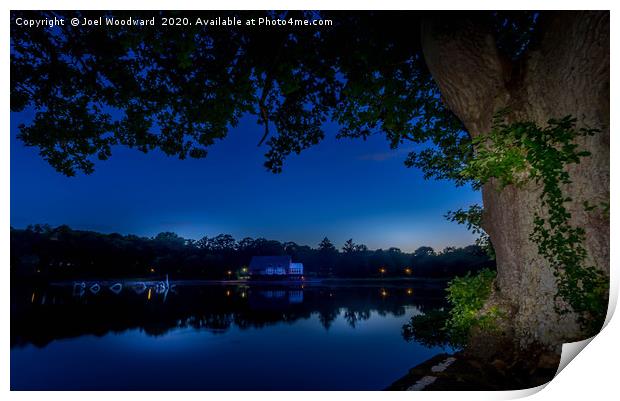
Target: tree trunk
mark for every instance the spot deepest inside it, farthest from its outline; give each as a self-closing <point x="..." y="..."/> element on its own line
<point x="565" y="73"/>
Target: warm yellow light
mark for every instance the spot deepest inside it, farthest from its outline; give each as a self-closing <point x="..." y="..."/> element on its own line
<point x="148" y="296"/>
<point x="32" y="299"/>
<point x="152" y="270"/>
<point x="409" y="291"/>
<point x="384" y="293"/>
<point x="227" y="293"/>
<point x="407" y="270"/>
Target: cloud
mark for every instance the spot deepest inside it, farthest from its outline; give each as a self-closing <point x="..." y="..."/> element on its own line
<point x="383" y="156"/>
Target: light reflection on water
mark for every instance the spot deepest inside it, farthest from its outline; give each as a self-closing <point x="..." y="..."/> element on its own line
<point x="216" y="337"/>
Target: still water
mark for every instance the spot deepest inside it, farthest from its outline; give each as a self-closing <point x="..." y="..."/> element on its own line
<point x="216" y="337"/>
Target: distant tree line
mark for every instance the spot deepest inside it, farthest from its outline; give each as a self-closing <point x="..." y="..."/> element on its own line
<point x="44" y="252"/>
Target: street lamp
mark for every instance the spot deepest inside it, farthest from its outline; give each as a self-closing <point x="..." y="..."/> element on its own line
<point x="382" y="271"/>
<point x="408" y="271"/>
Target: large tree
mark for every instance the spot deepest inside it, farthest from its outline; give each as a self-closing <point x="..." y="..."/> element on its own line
<point x="436" y="79"/>
<point x="564" y="71"/>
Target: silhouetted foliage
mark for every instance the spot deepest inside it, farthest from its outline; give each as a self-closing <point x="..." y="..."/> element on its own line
<point x="180" y="89"/>
<point x="44" y="252"/>
<point x="466" y="296"/>
<point x="429" y="329"/>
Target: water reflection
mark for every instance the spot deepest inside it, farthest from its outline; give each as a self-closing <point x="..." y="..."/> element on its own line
<point x="207" y="337"/>
<point x="41" y="315"/>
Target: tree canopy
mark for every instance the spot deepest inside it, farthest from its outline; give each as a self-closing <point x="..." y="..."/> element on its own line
<point x="182" y="88"/>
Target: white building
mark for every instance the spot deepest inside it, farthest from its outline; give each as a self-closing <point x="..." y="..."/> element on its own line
<point x="275" y="266"/>
<point x="296" y="269"/>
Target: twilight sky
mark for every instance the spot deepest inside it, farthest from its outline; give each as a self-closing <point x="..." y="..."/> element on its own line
<point x="340" y="189"/>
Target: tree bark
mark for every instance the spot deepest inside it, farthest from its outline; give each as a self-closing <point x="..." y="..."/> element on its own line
<point x="565" y="73"/>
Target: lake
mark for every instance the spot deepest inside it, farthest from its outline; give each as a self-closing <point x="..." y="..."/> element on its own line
<point x="217" y="337"/>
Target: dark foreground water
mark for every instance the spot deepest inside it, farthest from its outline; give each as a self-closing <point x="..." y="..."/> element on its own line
<point x="216" y="337"/>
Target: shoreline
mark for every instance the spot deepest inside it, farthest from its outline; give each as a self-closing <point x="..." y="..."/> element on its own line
<point x="309" y="281"/>
<point x="461" y="372"/>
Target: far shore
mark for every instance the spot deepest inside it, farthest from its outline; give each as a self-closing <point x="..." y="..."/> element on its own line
<point x="306" y="281"/>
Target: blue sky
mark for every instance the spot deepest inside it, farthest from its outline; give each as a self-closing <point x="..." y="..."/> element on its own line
<point x="340" y="189"/>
